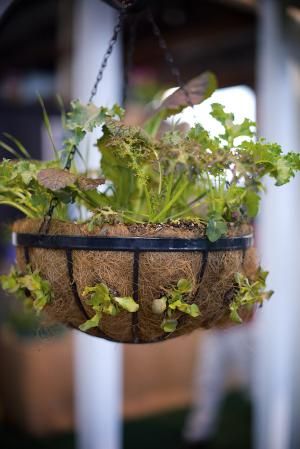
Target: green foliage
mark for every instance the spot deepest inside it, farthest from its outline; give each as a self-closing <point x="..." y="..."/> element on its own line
<point x="216" y="227"/>
<point x="216" y="179"/>
<point x="175" y="299"/>
<point x="20" y="188"/>
<point x="105" y="215"/>
<point x="150" y="178"/>
<point x="103" y="301"/>
<point x="248" y="293"/>
<point x="82" y="119"/>
<point x="30" y="287"/>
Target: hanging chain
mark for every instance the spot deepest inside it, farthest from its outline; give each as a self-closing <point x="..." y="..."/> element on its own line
<point x="45" y="225"/>
<point x="70" y="158"/>
<point x="168" y="56"/>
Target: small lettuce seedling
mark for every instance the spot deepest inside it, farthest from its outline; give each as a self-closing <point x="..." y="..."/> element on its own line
<point x="102" y="301"/>
<point x="30" y="287"/>
<point x="248" y="294"/>
<point x="175" y="300"/>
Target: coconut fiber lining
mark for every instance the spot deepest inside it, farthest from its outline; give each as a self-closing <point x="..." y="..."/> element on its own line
<point x="70" y="271"/>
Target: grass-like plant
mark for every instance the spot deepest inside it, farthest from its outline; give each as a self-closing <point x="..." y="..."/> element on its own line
<point x="152" y="177"/>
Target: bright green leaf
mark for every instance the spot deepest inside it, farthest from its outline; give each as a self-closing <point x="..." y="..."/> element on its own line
<point x="127" y="303"/>
<point x="194" y="311"/>
<point x="252" y="200"/>
<point x="215" y="229"/>
<point x="89" y="324"/>
<point x="184" y="285"/>
<point x="169" y="325"/>
<point x="234" y="316"/>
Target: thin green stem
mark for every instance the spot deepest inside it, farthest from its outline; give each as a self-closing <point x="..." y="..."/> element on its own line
<point x="169" y="205"/>
<point x="19" y="145"/>
<point x="184" y="211"/>
<point x="148" y="199"/>
<point x="131" y="219"/>
<point x="10" y="150"/>
<point x="160" y="172"/>
<point x="48" y="126"/>
<point x="202" y="195"/>
<point x="169" y="187"/>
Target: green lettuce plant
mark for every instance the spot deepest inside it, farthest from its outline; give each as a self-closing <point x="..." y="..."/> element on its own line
<point x="248" y="294"/>
<point x="175" y="299"/>
<point x="30" y="287"/>
<point x="103" y="301"/>
<point x="146" y="176"/>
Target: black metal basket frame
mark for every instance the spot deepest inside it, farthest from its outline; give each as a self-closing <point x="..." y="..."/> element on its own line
<point x="135" y="245"/>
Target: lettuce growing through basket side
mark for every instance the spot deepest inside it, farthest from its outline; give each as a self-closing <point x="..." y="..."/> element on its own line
<point x="249" y="293"/>
<point x="174" y="301"/>
<point x="30" y="287"/>
<point x="102" y="301"/>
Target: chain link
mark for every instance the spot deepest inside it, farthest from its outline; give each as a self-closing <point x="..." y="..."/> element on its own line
<point x="168" y="56"/>
<point x="48" y="217"/>
<point x="70" y="158"/>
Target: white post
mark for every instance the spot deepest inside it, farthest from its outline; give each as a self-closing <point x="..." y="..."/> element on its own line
<point x="98" y="363"/>
<point x="279" y="239"/>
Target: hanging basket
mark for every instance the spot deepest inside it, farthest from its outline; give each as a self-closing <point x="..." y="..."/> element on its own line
<point x="139" y="261"/>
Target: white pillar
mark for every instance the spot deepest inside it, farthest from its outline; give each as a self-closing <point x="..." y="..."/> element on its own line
<point x="279" y="239"/>
<point x="98" y="363"/>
